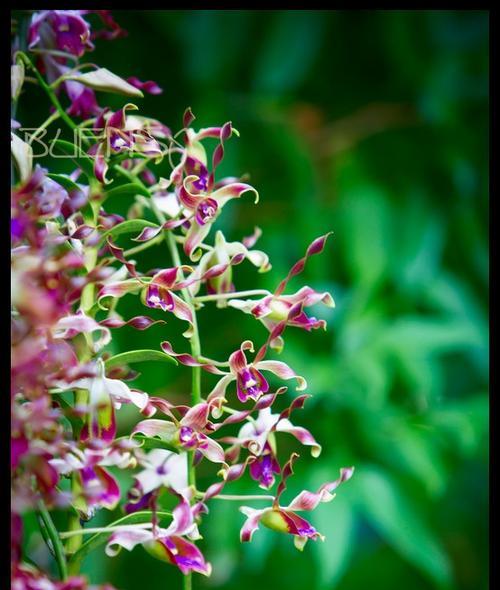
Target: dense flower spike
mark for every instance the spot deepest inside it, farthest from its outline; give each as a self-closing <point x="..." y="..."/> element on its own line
<point x="73" y="264"/>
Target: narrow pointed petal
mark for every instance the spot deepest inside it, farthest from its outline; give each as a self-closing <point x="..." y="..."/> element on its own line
<point x="283" y="371"/>
<point x="190" y="361"/>
<point x="233" y="191"/>
<point x="314" y="248"/>
<point x="251" y="524"/>
<point x="309" y="500"/>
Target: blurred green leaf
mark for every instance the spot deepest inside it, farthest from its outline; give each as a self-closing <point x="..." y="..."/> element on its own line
<point x="138" y="356"/>
<point x="399" y="522"/>
<point x="289" y="49"/>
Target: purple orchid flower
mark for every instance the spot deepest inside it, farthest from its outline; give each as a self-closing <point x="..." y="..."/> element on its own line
<point x="189" y="433"/>
<point x="203" y="207"/>
<point x="285" y="519"/>
<point x="168" y="544"/>
<point x="160" y="294"/>
<point x="160" y="291"/>
<point x="258" y="437"/>
<point x="117" y="138"/>
<point x="95" y="487"/>
<point x="250" y="383"/>
<point x="221" y="253"/>
<point x="276" y="311"/>
<point x="105" y="395"/>
<point x="272" y="310"/>
<point x="63" y="30"/>
<point x="197" y="193"/>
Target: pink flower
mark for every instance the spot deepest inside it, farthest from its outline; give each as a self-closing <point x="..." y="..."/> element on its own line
<point x="168" y="544"/>
<point x="188" y="433"/>
<point x="258" y="437"/>
<point x="285" y="519"/>
<point x="276" y="311"/>
<point x="250" y="382"/>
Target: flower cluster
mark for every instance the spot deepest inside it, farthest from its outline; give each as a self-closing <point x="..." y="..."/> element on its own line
<point x="69" y="276"/>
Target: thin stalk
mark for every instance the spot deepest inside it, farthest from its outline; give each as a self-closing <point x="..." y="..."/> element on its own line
<point x="234" y="295"/>
<point x="109" y="529"/>
<point x="44" y="126"/>
<point x="194" y="341"/>
<point x="143" y="246"/>
<point x="50" y="93"/>
<point x="237" y="498"/>
<point x="57" y="547"/>
<point x="98" y="539"/>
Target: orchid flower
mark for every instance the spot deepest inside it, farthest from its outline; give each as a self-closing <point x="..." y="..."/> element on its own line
<point x="105" y="395"/>
<point x="162" y="468"/>
<point x="276" y="311"/>
<point x="250" y="383"/>
<point x="160" y="294"/>
<point x="94" y="486"/>
<point x="285" y="519"/>
<point x="203" y="208"/>
<point x="187" y="433"/>
<point x="64" y="30"/>
<point x="117" y="138"/>
<point x="258" y="437"/>
<point x="200" y="199"/>
<point x="160" y="291"/>
<point x="221" y="253"/>
<point x="168" y="544"/>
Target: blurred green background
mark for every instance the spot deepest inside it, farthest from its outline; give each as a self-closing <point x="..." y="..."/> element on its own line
<point x="373" y="124"/>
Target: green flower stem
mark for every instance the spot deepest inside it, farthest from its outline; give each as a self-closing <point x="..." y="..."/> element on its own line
<point x="236" y="498"/>
<point x="48" y="90"/>
<point x="143" y="246"/>
<point x="195" y="338"/>
<point x="51" y="532"/>
<point x="99" y="538"/>
<point x="109" y="529"/>
<point x="195" y="351"/>
<point x="81" y="398"/>
<point x="44" y="126"/>
<point x="234" y="295"/>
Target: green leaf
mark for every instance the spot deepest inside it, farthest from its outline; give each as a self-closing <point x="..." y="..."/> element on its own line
<point x="398" y="521"/>
<point x="131" y="188"/>
<point x="76" y="154"/>
<point x="126" y="227"/>
<point x="100" y="538"/>
<point x="292" y="43"/>
<point x="138" y="356"/>
<point x="76" y="423"/>
<point x="155" y="442"/>
<point x="367" y="233"/>
<point x="64" y="181"/>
